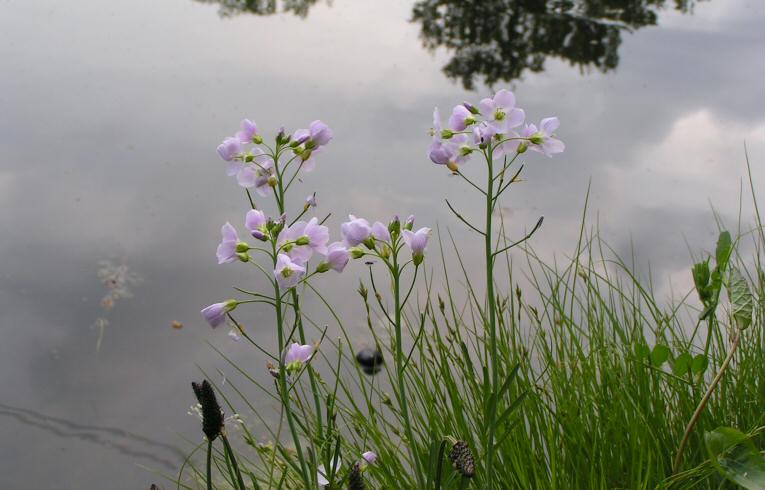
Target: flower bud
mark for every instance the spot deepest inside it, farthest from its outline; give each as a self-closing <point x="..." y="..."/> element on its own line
<point x="259" y="235"/>
<point x="418" y="258"/>
<point x="282" y="137"/>
<point x="310" y="145"/>
<point x="452" y="166"/>
<point x="272" y="181"/>
<point x="356" y="252"/>
<point x="242" y="247"/>
<point x="303" y="240"/>
<point x="297" y="150"/>
<point x="322" y="267"/>
<point x="305" y="155"/>
<point x="522" y="147"/>
<point x="385" y="251"/>
<point x="257" y="139"/>
<point x="409" y="223"/>
<point x="447" y="134"/>
<point x="243" y="256"/>
<point x="394" y="227"/>
<point x="363" y="291"/>
<point x="473" y="109"/>
<point x="249" y="158"/>
<point x="469" y="120"/>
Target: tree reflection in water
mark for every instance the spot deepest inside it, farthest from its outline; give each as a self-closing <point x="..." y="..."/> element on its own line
<point x="498" y="40"/>
<point x="229" y="8"/>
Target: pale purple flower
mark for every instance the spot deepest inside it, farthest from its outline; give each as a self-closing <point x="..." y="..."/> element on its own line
<point x="337" y="256"/>
<point x="233" y="334"/>
<point x="296" y="355"/>
<point x="320" y="133"/>
<point x="501" y="112"/>
<point x="436" y="130"/>
<point x="452" y="152"/>
<point x="227" y="248"/>
<point x="417" y="241"/>
<point x="255" y="221"/>
<point x="483" y="133"/>
<point x="460" y="119"/>
<point x="355" y="231"/>
<point x="369" y="457"/>
<point x="230" y="148"/>
<point x="309" y="163"/>
<point x="288" y="273"/>
<point x="541" y="140"/>
<point x="215" y="314"/>
<point x="380" y="232"/>
<point x="255" y="173"/>
<point x="314" y="235"/>
<point x="248" y="131"/>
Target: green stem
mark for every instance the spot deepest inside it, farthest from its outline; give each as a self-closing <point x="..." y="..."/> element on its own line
<point x="230" y="452"/>
<point x="209" y="465"/>
<point x="492" y="321"/>
<point x="403" y="405"/>
<point x="311" y="375"/>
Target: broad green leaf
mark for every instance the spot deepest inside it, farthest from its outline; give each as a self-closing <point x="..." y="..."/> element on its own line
<point x="736" y="458"/>
<point x="722" y="252"/>
<point x="682" y="364"/>
<point x="699" y="364"/>
<point x="660" y="355"/>
<point x="740" y="299"/>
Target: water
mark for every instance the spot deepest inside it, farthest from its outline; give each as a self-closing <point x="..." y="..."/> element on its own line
<point x="111" y="112"/>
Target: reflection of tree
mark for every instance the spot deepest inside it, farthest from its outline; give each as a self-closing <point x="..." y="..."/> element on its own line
<point x="500" y="39"/>
<point x="229" y="8"/>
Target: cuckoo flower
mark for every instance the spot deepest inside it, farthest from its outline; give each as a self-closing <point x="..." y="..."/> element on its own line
<point x="229" y="245"/>
<point x="417" y="242"/>
<point x="287" y="272"/>
<point x="215" y="314"/>
<point x="500" y="111"/>
<point x="452" y="152"/>
<point x="369" y="457"/>
<point x="318" y="134"/>
<point x="230" y="148"/>
<point x="461" y="118"/>
<point x="256" y="223"/>
<point x="337" y="257"/>
<point x="248" y="131"/>
<point x="302" y="239"/>
<point x="380" y="232"/>
<point x="355" y="231"/>
<point x="296" y="355"/>
<point x="541" y="139"/>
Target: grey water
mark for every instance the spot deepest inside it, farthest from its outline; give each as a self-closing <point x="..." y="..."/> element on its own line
<point x="112" y="195"/>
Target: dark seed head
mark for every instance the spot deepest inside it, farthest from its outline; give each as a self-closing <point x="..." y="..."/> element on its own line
<point x="355" y="480"/>
<point x="212" y="415"/>
<point x="462" y="459"/>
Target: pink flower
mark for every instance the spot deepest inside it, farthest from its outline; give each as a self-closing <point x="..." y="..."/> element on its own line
<point x="417" y="242"/>
<point x="226" y="252"/>
<point x="230" y="149"/>
<point x="248" y="131"/>
<point x="296" y="355"/>
<point x="337" y="256"/>
<point x="355" y="231"/>
<point x="501" y="112"/>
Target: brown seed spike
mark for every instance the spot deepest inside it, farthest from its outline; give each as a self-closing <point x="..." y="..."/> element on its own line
<point x="462" y="459"/>
<point x="212" y="415"/>
<point x="355" y="480"/>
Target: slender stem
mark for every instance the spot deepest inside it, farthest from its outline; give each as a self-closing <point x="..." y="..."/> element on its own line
<point x="311" y="375"/>
<point x="403" y="406"/>
<point x="230" y="452"/>
<point x="703" y="403"/>
<point x="209" y="465"/>
<point x="492" y="321"/>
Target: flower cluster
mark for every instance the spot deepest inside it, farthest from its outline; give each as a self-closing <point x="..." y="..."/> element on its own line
<point x="255" y="168"/>
<point x="380" y="239"/>
<point x="495" y="126"/>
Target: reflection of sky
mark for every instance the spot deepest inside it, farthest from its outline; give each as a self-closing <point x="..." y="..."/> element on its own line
<point x="110" y="116"/>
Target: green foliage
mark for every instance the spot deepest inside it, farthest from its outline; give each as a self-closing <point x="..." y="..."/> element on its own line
<point x="735" y="456"/>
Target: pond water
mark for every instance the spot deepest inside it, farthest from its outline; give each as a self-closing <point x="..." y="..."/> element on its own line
<point x="111" y="194"/>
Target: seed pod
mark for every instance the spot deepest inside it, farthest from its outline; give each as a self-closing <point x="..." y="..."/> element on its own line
<point x="355" y="480"/>
<point x="462" y="459"/>
<point x="212" y="415"/>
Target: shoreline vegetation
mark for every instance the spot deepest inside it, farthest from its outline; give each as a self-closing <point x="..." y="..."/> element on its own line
<point x="547" y="375"/>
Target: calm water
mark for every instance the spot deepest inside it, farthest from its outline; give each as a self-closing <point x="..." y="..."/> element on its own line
<point x="111" y="195"/>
